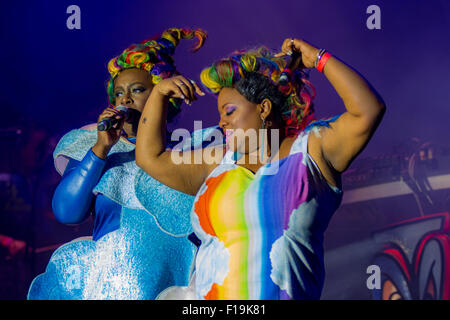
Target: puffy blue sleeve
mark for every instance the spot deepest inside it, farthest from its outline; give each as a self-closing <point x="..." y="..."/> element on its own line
<point x="73" y="196"/>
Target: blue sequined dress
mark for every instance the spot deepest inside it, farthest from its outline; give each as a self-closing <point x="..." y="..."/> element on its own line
<point x="149" y="249"/>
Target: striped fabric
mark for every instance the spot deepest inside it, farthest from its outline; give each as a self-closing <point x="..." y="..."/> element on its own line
<point x="262" y="234"/>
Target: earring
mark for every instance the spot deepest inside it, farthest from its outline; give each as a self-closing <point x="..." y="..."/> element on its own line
<point x="263" y="133"/>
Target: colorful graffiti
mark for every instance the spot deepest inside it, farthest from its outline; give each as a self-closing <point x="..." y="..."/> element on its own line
<point x="415" y="259"/>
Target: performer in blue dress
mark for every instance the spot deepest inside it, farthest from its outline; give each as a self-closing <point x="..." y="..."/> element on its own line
<point x="140" y="243"/>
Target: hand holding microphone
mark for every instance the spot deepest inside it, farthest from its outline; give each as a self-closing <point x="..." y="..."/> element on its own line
<point x="109" y="129"/>
<point x="109" y="122"/>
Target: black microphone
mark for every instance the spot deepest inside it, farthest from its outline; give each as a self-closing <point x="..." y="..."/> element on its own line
<point x="110" y="122"/>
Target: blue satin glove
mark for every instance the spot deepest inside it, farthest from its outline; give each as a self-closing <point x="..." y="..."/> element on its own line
<point x="72" y="200"/>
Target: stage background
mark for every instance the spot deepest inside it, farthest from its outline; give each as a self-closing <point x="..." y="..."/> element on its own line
<point x="53" y="80"/>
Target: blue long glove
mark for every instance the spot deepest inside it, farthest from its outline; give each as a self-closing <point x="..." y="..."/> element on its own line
<point x="73" y="197"/>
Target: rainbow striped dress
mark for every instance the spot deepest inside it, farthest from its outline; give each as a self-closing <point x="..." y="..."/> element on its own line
<point x="262" y="234"/>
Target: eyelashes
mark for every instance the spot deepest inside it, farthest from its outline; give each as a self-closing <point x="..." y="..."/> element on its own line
<point x="133" y="91"/>
<point x="139" y="90"/>
<point x="229" y="110"/>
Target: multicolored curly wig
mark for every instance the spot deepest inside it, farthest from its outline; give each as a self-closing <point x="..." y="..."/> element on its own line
<point x="256" y="75"/>
<point x="155" y="56"/>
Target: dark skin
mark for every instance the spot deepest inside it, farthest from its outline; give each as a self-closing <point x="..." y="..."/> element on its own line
<point x="333" y="151"/>
<point x="132" y="88"/>
<point x="236" y="112"/>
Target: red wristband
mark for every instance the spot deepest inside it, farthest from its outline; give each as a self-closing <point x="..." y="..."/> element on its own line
<point x="323" y="60"/>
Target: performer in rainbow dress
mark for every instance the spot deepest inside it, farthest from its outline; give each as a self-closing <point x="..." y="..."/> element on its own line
<point x="264" y="201"/>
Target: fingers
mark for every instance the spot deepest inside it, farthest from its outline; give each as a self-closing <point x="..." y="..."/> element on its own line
<point x="180" y="87"/>
<point x="109" y="137"/>
<point x="119" y="125"/>
<point x="197" y="89"/>
<point x="288" y="46"/>
<point x="188" y="89"/>
<point x="109" y="113"/>
<point x="177" y="92"/>
<point x="285" y="48"/>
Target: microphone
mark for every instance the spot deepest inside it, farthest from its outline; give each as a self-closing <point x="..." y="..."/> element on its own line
<point x="109" y="122"/>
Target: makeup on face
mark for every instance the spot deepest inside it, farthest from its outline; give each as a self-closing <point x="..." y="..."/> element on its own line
<point x="236" y="117"/>
<point x="133" y="84"/>
<point x="229" y="109"/>
<point x="136" y="87"/>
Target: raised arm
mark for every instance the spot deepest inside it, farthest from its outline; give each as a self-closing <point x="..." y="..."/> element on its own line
<point x="151" y="153"/>
<point x="350" y="133"/>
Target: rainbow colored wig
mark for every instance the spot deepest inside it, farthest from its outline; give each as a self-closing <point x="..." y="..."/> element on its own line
<point x="155" y="56"/>
<point x="292" y="98"/>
